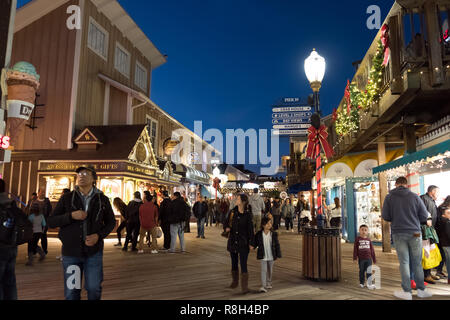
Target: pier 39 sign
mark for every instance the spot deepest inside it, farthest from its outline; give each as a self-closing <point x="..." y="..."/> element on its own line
<point x="291" y="117"/>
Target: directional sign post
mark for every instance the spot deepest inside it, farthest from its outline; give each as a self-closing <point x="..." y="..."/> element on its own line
<point x="291" y="117"/>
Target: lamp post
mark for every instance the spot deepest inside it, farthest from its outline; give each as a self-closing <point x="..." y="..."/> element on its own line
<point x="315" y="71"/>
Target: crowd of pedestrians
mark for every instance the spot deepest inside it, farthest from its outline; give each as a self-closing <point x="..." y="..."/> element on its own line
<point x="85" y="218"/>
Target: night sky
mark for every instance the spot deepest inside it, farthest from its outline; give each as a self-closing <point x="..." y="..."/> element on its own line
<point x="229" y="61"/>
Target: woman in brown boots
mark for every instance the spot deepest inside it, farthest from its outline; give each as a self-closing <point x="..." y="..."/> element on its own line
<point x="240" y="240"/>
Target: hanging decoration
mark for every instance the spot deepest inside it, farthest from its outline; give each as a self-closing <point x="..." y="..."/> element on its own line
<point x="317" y="141"/>
<point x="385" y="42"/>
<point x="348" y="117"/>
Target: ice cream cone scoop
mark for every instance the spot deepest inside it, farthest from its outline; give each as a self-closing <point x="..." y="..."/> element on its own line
<point x="22" y="81"/>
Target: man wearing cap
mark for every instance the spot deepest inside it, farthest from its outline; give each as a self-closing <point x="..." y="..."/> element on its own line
<point x="85" y="218"/>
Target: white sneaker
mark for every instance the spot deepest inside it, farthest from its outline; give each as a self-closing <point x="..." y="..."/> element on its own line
<point x="154" y="251"/>
<point x="403" y="295"/>
<point x="371" y="286"/>
<point x="361" y="285"/>
<point x="262" y="289"/>
<point x="269" y="286"/>
<point x="140" y="251"/>
<point x="424" y="293"/>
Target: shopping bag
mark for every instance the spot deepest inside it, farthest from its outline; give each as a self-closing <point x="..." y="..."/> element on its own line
<point x="159" y="232"/>
<point x="434" y="258"/>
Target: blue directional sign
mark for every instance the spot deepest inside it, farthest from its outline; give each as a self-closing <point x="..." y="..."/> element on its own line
<point x="283" y="115"/>
<point x="292" y="109"/>
<point x="290" y="120"/>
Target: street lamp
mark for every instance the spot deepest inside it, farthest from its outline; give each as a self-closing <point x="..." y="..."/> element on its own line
<point x="315" y="71"/>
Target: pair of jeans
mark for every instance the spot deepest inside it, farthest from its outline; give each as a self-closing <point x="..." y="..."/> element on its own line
<point x="441" y="265"/>
<point x="237" y="257"/>
<point x="447" y="259"/>
<point x="256" y="222"/>
<point x="133" y="229"/>
<point x="153" y="233"/>
<point x="122" y="226"/>
<point x="266" y="273"/>
<point x="44" y="242"/>
<point x="276" y="221"/>
<point x="74" y="267"/>
<point x="409" y="253"/>
<point x="177" y="229"/>
<point x="201" y="227"/>
<point x="364" y="264"/>
<point x="8" y="288"/>
<point x="288" y="222"/>
<point x="33" y="243"/>
<point x="166" y="232"/>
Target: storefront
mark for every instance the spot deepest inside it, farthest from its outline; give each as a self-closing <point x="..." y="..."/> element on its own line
<point x="121" y="155"/>
<point x="426" y="167"/>
<point x="192" y="182"/>
<point x="351" y="180"/>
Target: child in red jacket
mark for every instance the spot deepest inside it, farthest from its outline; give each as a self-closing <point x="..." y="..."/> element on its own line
<point x="363" y="250"/>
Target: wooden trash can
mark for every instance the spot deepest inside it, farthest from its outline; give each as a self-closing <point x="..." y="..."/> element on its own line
<point x="321" y="256"/>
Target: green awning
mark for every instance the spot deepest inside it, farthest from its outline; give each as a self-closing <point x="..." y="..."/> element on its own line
<point x="436" y="150"/>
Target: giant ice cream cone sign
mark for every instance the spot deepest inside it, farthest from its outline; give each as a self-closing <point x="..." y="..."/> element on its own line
<point x="23" y="82"/>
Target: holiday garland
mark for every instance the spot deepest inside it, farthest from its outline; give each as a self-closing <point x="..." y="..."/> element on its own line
<point x="348" y="118"/>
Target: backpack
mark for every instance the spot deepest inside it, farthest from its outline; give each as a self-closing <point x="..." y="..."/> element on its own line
<point x="15" y="228"/>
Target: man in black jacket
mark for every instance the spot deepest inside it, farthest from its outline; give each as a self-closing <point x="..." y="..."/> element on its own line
<point x="8" y="251"/>
<point x="133" y="224"/>
<point x="200" y="211"/>
<point x="177" y="219"/>
<point x="164" y="212"/>
<point x="429" y="199"/>
<point x="85" y="218"/>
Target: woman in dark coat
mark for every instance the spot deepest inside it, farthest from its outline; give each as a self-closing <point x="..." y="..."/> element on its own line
<point x="122" y="208"/>
<point x="240" y="240"/>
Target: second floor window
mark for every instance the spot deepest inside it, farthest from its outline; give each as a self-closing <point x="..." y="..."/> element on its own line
<point x="152" y="130"/>
<point x="140" y="76"/>
<point x="98" y="39"/>
<point x="122" y="61"/>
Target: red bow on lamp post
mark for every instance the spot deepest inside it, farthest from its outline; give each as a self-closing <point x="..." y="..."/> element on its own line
<point x="385" y="42"/>
<point x="216" y="184"/>
<point x="317" y="141"/>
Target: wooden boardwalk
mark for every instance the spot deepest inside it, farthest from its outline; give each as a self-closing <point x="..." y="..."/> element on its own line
<point x="204" y="272"/>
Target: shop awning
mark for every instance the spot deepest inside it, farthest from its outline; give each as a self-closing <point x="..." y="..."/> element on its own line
<point x="296" y="188"/>
<point x="192" y="175"/>
<point x="441" y="149"/>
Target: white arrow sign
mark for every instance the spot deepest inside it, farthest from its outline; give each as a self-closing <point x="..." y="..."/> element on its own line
<point x="290" y="132"/>
<point x="291" y="109"/>
<point x="292" y="126"/>
<point x="290" y="121"/>
<point x="281" y="115"/>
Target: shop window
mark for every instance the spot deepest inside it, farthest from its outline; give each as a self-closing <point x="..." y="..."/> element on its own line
<point x="112" y="188"/>
<point x="368" y="210"/>
<point x="122" y="60"/>
<point x="55" y="186"/>
<point x="98" y="39"/>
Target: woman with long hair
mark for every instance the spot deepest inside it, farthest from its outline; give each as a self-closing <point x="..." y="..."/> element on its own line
<point x="335" y="215"/>
<point x="121" y="207"/>
<point x="240" y="240"/>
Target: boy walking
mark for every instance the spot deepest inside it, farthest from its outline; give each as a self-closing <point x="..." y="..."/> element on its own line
<point x="39" y="224"/>
<point x="363" y="250"/>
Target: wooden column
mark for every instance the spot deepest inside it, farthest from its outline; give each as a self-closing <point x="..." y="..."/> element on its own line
<point x="385" y="226"/>
<point x="434" y="45"/>
<point x="409" y="138"/>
